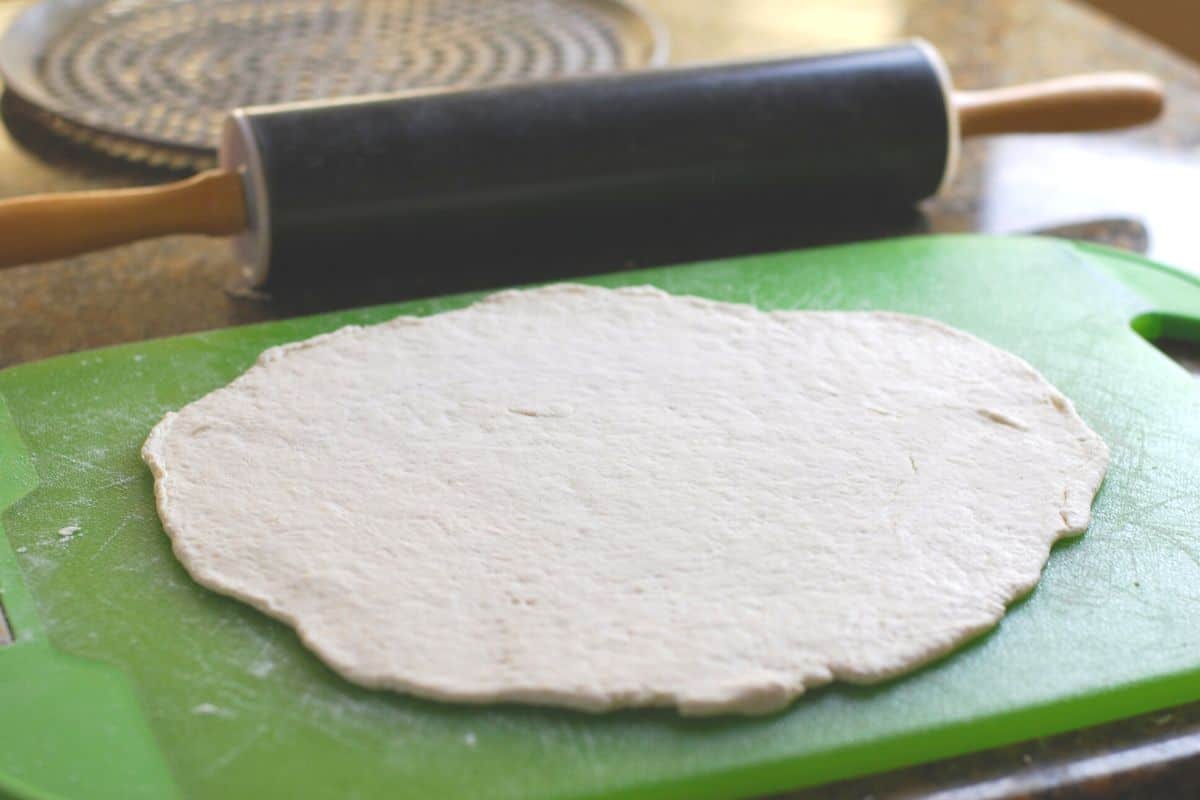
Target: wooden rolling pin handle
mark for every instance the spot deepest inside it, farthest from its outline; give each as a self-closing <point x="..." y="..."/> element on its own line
<point x="46" y="227"/>
<point x="1099" y="101"/>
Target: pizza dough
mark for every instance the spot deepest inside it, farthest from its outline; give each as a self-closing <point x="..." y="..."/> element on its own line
<point x="596" y="499"/>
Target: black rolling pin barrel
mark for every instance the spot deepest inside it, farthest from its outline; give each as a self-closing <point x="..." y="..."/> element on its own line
<point x="872" y="124"/>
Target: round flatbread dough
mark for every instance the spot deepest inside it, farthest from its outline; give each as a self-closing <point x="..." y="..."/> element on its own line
<point x="596" y="498"/>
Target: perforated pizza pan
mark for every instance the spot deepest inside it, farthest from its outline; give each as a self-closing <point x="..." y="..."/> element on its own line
<point x="165" y="72"/>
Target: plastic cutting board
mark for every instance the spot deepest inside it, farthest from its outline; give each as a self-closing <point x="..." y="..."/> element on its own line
<point x="127" y="680"/>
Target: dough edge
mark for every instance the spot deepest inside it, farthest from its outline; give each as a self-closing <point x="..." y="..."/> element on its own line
<point x="756" y="694"/>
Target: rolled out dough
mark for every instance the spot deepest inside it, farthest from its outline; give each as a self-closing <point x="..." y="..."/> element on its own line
<point x="596" y="499"/>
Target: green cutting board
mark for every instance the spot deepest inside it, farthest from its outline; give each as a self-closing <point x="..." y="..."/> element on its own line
<point x="128" y="680"/>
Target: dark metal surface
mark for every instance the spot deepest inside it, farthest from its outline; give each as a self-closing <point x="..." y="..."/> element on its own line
<point x="1146" y="177"/>
<point x="114" y="73"/>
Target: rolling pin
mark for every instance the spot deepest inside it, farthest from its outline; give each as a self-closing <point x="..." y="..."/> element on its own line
<point x="882" y="124"/>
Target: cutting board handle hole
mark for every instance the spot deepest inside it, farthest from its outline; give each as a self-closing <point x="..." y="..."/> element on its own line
<point x="1177" y="337"/>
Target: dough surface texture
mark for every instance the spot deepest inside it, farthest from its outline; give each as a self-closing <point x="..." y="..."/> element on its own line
<point x="604" y="498"/>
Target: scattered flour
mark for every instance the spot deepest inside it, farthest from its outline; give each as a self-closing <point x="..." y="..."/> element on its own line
<point x="210" y="710"/>
<point x="261" y="669"/>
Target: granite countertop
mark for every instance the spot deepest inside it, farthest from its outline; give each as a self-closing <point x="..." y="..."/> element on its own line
<point x="1132" y="188"/>
<point x="1136" y="182"/>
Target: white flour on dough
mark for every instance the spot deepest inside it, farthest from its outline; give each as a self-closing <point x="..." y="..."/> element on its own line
<point x="595" y="499"/>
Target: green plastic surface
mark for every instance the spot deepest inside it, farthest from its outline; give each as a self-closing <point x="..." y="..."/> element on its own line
<point x="128" y="680"/>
